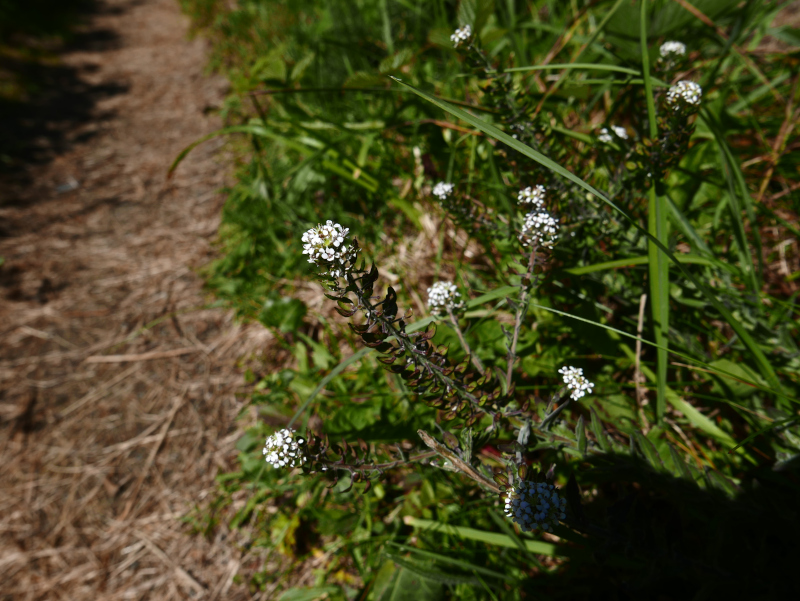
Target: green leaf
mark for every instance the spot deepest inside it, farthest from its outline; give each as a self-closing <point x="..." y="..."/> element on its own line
<point x="475" y="13"/>
<point x="681" y="469"/>
<point x="643" y="260"/>
<point x="597" y="429"/>
<point x="406" y="585"/>
<point x="283" y="313"/>
<point x="270" y="66"/>
<point x="430" y="574"/>
<point x="491" y="538"/>
<point x="393" y="63"/>
<point x="648" y="450"/>
<point x="465" y="565"/>
<point x="580" y="435"/>
<point x="324" y="382"/>
<point x="739" y="387"/>
<point x="308" y="594"/>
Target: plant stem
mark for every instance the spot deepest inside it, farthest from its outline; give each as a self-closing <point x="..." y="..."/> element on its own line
<point x="407" y="344"/>
<point x="377" y="467"/>
<point x="554" y="414"/>
<point x="474" y="358"/>
<point x="522" y="310"/>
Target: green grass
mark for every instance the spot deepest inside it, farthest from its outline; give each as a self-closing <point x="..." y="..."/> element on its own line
<point x="349" y="111"/>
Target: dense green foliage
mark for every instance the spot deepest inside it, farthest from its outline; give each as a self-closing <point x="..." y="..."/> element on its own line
<point x="667" y="506"/>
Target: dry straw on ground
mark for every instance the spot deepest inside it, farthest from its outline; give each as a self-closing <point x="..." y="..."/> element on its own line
<point x="117" y="382"/>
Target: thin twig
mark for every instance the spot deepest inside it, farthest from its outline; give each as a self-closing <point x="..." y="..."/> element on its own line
<point x="457" y="462"/>
<point x="473" y="357"/>
<point x="142" y="356"/>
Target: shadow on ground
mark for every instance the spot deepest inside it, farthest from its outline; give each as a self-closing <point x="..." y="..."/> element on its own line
<point x="45" y="102"/>
<point x="654" y="536"/>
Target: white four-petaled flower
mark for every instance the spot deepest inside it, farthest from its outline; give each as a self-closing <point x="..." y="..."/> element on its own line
<point x="461" y="35"/>
<point x="686" y="92"/>
<point x="605" y="136"/>
<point x="442" y="190"/>
<point x="539" y="229"/>
<point x="672" y="49"/>
<point x="532" y="196"/>
<point x="535" y="505"/>
<point x="326" y="247"/>
<point x="576" y="381"/>
<point x="444" y="296"/>
<point x="284" y="449"/>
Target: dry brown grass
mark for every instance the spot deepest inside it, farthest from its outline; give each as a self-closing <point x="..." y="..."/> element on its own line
<point x="117" y="382"/>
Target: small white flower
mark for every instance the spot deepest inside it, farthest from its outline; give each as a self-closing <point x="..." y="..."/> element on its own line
<point x="461" y="35"/>
<point x="443" y="296"/>
<point x="606" y="137"/>
<point x="283" y="449"/>
<point x="576" y="381"/>
<point x="442" y="190"/>
<point x="326" y="247"/>
<point x="532" y="196"/>
<point x="687" y="92"/>
<point x="539" y="229"/>
<point x="672" y="49"/>
<point x="535" y="505"/>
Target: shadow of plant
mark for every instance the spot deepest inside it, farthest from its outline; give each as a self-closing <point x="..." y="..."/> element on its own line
<point x="653" y="536"/>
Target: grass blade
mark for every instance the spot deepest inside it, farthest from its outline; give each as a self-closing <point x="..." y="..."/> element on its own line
<point x="658" y="270"/>
<point x="491" y="538"/>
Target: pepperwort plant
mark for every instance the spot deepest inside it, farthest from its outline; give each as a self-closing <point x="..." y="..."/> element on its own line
<point x="467" y="394"/>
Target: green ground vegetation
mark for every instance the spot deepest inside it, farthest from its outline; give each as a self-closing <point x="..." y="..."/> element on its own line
<point x="682" y="483"/>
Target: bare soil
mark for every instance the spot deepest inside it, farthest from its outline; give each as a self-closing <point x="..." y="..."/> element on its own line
<point x="118" y="378"/>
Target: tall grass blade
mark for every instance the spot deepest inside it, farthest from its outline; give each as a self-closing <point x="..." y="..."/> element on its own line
<point x="658" y="271"/>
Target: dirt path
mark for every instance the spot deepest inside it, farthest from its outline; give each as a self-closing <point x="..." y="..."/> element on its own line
<point x="117" y="404"/>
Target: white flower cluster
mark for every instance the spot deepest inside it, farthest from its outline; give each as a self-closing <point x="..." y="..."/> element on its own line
<point x="326" y="247"/>
<point x="282" y="449"/>
<point x="443" y="296"/>
<point x="535" y="505"/>
<point x="461" y="35"/>
<point x="539" y="229"/>
<point x="606" y="137"/>
<point x="672" y="49"/>
<point x="442" y="190"/>
<point x="686" y="91"/>
<point x="532" y="196"/>
<point x="576" y="381"/>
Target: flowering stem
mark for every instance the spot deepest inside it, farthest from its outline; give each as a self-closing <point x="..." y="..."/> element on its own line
<point x="522" y="310"/>
<point x="378" y="467"/>
<point x="403" y="340"/>
<point x="474" y="358"/>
